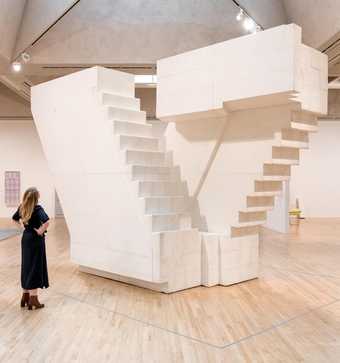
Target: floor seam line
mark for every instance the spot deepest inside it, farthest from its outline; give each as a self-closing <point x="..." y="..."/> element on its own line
<point x="115" y="312"/>
<point x="282" y="323"/>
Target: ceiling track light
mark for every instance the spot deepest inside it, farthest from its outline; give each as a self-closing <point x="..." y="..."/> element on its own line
<point x="25" y="57"/>
<point x="16" y="66"/>
<point x="240" y="15"/>
<point x="248" y="22"/>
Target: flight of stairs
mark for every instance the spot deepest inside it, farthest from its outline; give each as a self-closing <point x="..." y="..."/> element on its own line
<point x="285" y="153"/>
<point x="162" y="194"/>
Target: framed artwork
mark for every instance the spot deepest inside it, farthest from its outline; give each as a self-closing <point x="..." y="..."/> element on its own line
<point x="12" y="188"/>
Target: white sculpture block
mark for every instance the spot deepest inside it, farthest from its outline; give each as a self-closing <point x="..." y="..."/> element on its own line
<point x="123" y="199"/>
<point x="238" y="113"/>
<point x="210" y="259"/>
<point x="134" y="208"/>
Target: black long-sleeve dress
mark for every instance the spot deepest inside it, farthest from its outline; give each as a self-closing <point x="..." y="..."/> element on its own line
<point x="34" y="273"/>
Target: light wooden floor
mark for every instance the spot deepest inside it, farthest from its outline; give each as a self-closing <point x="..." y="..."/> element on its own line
<point x="290" y="314"/>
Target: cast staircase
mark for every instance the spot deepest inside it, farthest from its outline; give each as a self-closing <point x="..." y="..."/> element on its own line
<point x="285" y="154"/>
<point x="163" y="195"/>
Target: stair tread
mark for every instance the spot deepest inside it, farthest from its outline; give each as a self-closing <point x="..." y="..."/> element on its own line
<point x="140" y="137"/>
<point x="163" y="197"/>
<point x="284" y="161"/>
<point x="265" y="194"/>
<point x="274" y="178"/>
<point x="146" y="151"/>
<point x="167" y="214"/>
<point x="249" y="224"/>
<point x="256" y="209"/>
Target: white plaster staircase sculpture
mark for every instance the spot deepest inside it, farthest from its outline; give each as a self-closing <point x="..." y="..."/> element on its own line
<point x="256" y="81"/>
<point x="285" y="153"/>
<point x="145" y="236"/>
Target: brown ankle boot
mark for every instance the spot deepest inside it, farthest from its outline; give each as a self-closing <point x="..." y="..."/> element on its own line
<point x="24" y="300"/>
<point x="34" y="303"/>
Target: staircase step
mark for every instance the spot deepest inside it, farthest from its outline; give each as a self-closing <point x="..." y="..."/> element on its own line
<point x="136" y="129"/>
<point x="169" y="222"/>
<point x="147" y="158"/>
<point x="244" y="231"/>
<point x="249" y="224"/>
<point x="155" y="173"/>
<point x="294" y="135"/>
<point x="260" y="201"/>
<point x="139" y="142"/>
<point x="275" y="178"/>
<point x="110" y="99"/>
<point x="165" y="205"/>
<point x="121" y="114"/>
<point x="250" y="216"/>
<point x="266" y="194"/>
<point x="285" y="161"/>
<point x="161" y="188"/>
<point x="304" y="127"/>
<point x="268" y="185"/>
<point x="276" y="169"/>
<point x="279" y="141"/>
<point x="257" y="209"/>
<point x="304" y="117"/>
<point x="289" y="153"/>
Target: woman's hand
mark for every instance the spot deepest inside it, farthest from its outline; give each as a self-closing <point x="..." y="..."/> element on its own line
<point x="42" y="229"/>
<point x="39" y="231"/>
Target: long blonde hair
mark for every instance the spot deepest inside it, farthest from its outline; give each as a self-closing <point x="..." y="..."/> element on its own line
<point x="29" y="201"/>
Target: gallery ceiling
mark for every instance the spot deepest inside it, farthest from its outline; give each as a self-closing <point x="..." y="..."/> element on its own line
<point x="133" y="34"/>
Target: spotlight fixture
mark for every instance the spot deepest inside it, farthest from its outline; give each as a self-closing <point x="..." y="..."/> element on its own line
<point x="257" y="29"/>
<point x="240" y="15"/>
<point x="249" y="24"/>
<point x="16" y="66"/>
<point x="25" y="57"/>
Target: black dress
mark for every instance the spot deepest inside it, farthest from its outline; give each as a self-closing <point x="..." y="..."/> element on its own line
<point x="33" y="251"/>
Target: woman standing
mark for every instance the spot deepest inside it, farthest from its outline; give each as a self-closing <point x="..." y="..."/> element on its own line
<point x="33" y="252"/>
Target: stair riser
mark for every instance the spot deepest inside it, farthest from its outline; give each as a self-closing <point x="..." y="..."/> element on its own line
<point x="117" y="114"/>
<point x="148" y="159"/>
<point x="244" y="217"/>
<point x="294" y="135"/>
<point x="303" y="117"/>
<point x="268" y="186"/>
<point x="127" y="142"/>
<point x="285" y="153"/>
<point x="155" y="174"/>
<point x="133" y="129"/>
<point x="147" y="189"/>
<point x="165" y="205"/>
<point x="244" y="231"/>
<point x="276" y="170"/>
<point x="260" y="201"/>
<point x="120" y="102"/>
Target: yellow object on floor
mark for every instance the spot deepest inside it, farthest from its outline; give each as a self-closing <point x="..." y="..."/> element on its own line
<point x="295" y="212"/>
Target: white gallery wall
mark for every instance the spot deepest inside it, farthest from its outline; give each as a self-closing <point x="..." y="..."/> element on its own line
<point x="20" y="150"/>
<point x="316" y="181"/>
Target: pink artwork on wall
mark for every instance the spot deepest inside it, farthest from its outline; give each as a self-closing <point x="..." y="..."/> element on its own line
<point x="12" y="188"/>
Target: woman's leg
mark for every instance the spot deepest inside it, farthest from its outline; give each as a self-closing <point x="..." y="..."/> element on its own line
<point x="33" y="301"/>
<point x="25" y="298"/>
